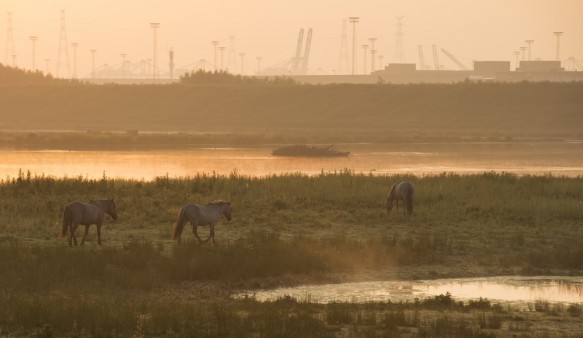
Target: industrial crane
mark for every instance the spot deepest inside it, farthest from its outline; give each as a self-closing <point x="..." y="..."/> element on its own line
<point x="297" y="59"/>
<point x="454" y="59"/>
<point x="300" y="64"/>
<point x="435" y="57"/>
<point x="307" y="52"/>
<point x="421" y="60"/>
<point x="297" y="64"/>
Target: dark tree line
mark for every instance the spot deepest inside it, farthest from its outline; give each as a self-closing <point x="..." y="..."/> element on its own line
<point x="18" y="76"/>
<point x="226" y="78"/>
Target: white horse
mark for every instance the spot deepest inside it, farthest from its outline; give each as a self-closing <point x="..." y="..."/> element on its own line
<point x="77" y="213"/>
<point x="401" y="191"/>
<point x="200" y="215"/>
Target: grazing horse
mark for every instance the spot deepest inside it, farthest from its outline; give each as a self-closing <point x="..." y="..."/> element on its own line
<point x="401" y="191"/>
<point x="199" y="215"/>
<point x="86" y="214"/>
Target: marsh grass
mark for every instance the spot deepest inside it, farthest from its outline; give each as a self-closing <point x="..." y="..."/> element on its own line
<point x="286" y="229"/>
<point x="498" y="220"/>
<point x="107" y="315"/>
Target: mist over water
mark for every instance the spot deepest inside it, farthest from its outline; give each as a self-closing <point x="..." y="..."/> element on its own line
<point x="557" y="158"/>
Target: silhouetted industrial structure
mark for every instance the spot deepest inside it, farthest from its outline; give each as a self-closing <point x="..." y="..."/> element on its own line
<point x="171" y="63"/>
<point x="10" y="49"/>
<point x="373" y="53"/>
<point x="155" y="26"/>
<point x="63" y="49"/>
<point x="296" y="65"/>
<point x="232" y="62"/>
<point x="354" y="21"/>
<point x="558" y="35"/>
<point x="343" y="62"/>
<point x="399" y="56"/>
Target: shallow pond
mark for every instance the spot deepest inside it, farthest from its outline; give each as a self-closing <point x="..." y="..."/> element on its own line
<point x="512" y="289"/>
<point x="559" y="158"/>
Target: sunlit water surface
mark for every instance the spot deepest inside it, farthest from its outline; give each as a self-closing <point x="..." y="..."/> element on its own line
<point x="517" y="290"/>
<point x="559" y="158"/>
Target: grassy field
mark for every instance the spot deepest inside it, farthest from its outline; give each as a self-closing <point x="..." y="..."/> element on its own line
<point x="286" y="230"/>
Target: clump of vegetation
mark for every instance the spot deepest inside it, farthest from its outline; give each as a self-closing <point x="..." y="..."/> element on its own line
<point x="201" y="77"/>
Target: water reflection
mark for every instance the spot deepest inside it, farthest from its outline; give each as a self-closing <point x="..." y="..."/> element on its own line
<point x="520" y="290"/>
<point x="514" y="290"/>
<point x="560" y="158"/>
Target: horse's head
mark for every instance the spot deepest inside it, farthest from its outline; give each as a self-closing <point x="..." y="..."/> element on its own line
<point x="227" y="210"/>
<point x="389" y="204"/>
<point x="112" y="209"/>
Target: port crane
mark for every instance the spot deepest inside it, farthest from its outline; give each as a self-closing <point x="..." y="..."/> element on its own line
<point x="435" y="57"/>
<point x="298" y="64"/>
<point x="454" y="59"/>
<point x="421" y="59"/>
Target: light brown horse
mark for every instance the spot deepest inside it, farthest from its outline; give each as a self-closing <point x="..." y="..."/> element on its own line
<point x="401" y="191"/>
<point x="78" y="213"/>
<point x="200" y="215"/>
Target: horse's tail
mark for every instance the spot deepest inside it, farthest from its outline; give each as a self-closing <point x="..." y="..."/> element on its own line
<point x="179" y="224"/>
<point x="66" y="221"/>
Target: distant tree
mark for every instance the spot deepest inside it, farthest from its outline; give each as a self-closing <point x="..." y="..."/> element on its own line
<point x="226" y="78"/>
<point x="17" y="76"/>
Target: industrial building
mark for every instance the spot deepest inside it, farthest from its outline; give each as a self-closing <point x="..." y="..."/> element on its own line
<point x="540" y="66"/>
<point x="497" y="71"/>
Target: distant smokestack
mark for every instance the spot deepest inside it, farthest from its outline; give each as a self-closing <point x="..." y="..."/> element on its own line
<point x="171" y="63"/>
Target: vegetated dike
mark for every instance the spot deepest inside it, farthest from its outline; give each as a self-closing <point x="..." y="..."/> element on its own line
<point x="542" y="108"/>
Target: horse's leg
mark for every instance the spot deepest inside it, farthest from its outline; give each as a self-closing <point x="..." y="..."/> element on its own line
<point x="85" y="234"/>
<point x="70" y="234"/>
<point x="73" y="238"/>
<point x="212" y="230"/>
<point x="98" y="233"/>
<point x="195" y="232"/>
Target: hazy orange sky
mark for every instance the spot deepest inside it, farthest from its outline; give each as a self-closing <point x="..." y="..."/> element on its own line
<point x="469" y="29"/>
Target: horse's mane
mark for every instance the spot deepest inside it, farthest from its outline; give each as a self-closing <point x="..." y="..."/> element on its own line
<point x="392" y="192"/>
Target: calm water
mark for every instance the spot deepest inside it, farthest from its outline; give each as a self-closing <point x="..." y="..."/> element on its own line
<point x="561" y="158"/>
<point x="518" y="290"/>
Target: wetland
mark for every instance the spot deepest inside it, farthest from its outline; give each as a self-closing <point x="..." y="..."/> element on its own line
<point x="288" y="230"/>
<point x="497" y="167"/>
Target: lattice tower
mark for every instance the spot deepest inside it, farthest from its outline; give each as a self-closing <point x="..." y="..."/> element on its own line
<point x="63" y="48"/>
<point x="343" y="61"/>
<point x="399" y="55"/>
<point x="10" y="49"/>
<point x="354" y="21"/>
<point x="232" y="62"/>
